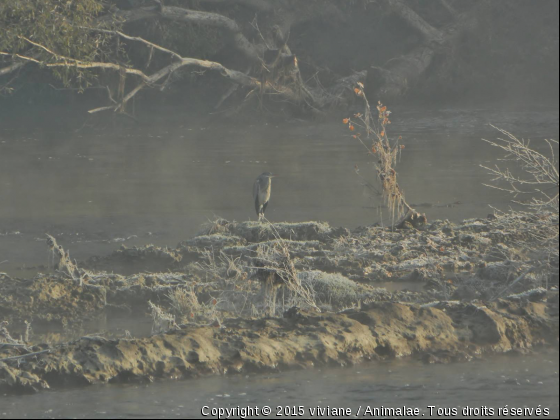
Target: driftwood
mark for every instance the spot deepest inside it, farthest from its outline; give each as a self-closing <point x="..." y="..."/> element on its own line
<point x="25" y="356"/>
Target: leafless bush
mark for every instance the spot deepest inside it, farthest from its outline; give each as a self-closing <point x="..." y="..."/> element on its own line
<point x="539" y="181"/>
<point x="221" y="266"/>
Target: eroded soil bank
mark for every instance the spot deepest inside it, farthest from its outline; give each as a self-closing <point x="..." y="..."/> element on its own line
<point x="249" y="297"/>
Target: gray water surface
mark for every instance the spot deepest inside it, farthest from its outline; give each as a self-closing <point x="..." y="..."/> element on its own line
<point x="496" y="382"/>
<point x="157" y="183"/>
<point x="95" y="190"/>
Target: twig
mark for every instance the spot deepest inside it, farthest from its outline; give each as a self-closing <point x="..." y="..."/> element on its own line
<point x="517" y="280"/>
<point x="134" y="38"/>
<point x="24" y="356"/>
<point x="2" y="345"/>
<point x="78" y="64"/>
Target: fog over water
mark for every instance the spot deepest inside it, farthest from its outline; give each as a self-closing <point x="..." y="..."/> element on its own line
<point x="159" y="182"/>
<point x="122" y="139"/>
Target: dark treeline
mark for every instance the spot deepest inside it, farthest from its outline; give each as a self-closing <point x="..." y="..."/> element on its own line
<point x="301" y="56"/>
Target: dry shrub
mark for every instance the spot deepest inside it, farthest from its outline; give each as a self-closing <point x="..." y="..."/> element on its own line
<point x="186" y="305"/>
<point x="184" y="301"/>
<point x="540" y="177"/>
<point x="276" y="268"/>
<point x="537" y="224"/>
<point x="385" y="152"/>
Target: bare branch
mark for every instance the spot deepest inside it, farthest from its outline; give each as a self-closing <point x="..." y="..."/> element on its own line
<point x="134" y="38"/>
<point x="541" y="171"/>
<point x="72" y="62"/>
<point x="540" y="224"/>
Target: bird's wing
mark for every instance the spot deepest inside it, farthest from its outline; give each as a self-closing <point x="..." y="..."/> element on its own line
<point x="256" y="188"/>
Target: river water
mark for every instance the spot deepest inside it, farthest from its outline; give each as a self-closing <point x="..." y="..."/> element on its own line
<point x="95" y="190"/>
<point x="496" y="382"/>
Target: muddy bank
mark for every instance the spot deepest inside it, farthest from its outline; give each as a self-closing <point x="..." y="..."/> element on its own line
<point x="247" y="297"/>
<point x="435" y="333"/>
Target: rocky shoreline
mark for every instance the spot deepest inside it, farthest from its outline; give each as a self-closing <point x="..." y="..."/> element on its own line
<point x="253" y="297"/>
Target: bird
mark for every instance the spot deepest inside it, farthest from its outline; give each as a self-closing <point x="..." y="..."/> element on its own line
<point x="261" y="192"/>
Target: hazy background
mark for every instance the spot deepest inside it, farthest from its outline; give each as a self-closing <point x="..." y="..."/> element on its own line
<point x="97" y="181"/>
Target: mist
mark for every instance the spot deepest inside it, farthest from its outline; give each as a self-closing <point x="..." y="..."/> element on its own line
<point x="409" y="245"/>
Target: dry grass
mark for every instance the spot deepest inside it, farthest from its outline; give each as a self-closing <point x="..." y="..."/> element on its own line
<point x="5" y="336"/>
<point x="161" y="320"/>
<point x="184" y="301"/>
<point x="211" y="227"/>
<point x="185" y="304"/>
<point x="275" y="258"/>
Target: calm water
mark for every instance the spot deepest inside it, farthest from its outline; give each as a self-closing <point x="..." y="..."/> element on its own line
<point x="157" y="183"/>
<point x="516" y="382"/>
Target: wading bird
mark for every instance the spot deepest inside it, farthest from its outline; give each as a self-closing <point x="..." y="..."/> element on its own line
<point x="261" y="192"/>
